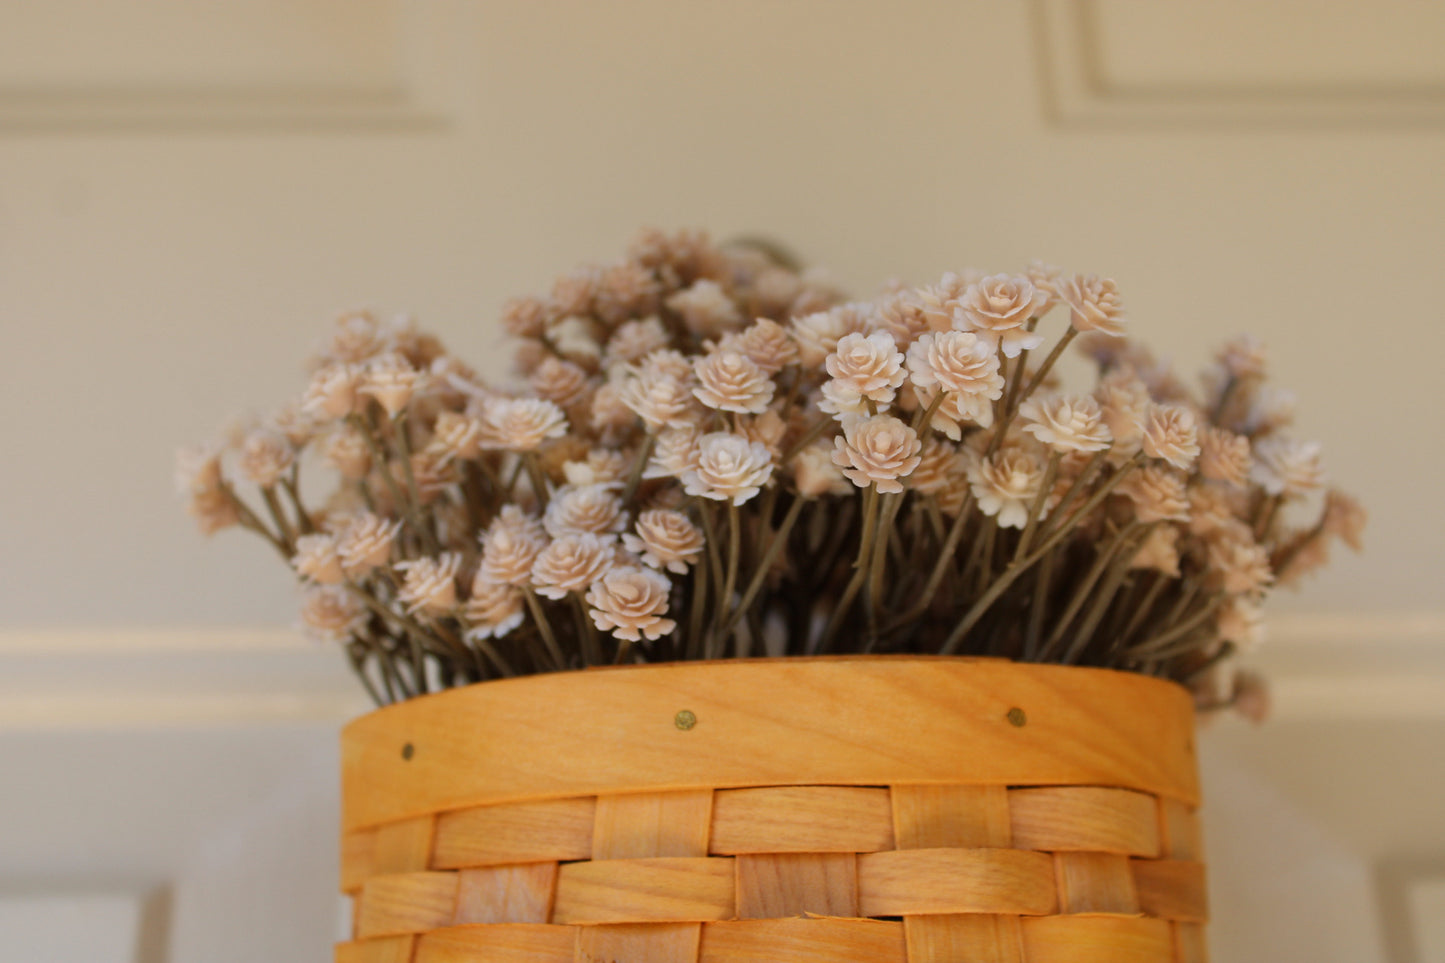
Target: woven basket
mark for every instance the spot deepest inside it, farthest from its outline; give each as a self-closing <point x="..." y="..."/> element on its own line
<point x="928" y="810"/>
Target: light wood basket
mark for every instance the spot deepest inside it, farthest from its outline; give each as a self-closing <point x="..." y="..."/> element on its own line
<point x="928" y="810"/>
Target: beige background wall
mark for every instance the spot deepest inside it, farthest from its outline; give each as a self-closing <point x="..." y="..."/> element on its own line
<point x="189" y="192"/>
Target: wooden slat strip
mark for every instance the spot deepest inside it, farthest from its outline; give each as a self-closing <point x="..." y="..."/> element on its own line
<point x="403" y="846"/>
<point x="506" y="894"/>
<point x="802" y="819"/>
<point x="770" y="886"/>
<point x="554" y="829"/>
<point x="951" y="817"/>
<point x="1172" y="889"/>
<point x="666" y="889"/>
<point x="1179" y="830"/>
<point x="406" y="903"/>
<point x="912" y="882"/>
<point x="1095" y="883"/>
<point x="386" y="949"/>
<point x="653" y="943"/>
<point x="1189" y="946"/>
<point x="498" y="943"/>
<point x="358" y="851"/>
<point x="964" y="939"/>
<point x="803" y="941"/>
<point x="828" y="721"/>
<point x="1085" y="819"/>
<point x="638" y="825"/>
<point x="1105" y="939"/>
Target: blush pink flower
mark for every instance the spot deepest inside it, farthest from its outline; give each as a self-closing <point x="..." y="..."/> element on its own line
<point x="869" y="366"/>
<point x="1066" y="423"/>
<point x="1171" y="432"/>
<point x="665" y="539"/>
<point x="329" y="613"/>
<point x="630" y="602"/>
<point x="1093" y="304"/>
<point x="317" y="558"/>
<point x="430" y="585"/>
<point x="1006" y="484"/>
<point x="492" y="609"/>
<point x="998" y="308"/>
<point x="521" y="424"/>
<point x="571" y="563"/>
<point x="877" y="451"/>
<point x="729" y="468"/>
<point x="730" y="381"/>
<point x="960" y="362"/>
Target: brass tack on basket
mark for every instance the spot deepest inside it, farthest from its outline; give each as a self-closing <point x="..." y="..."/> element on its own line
<point x="684" y="719"/>
<point x="407" y="751"/>
<point x="1016" y="717"/>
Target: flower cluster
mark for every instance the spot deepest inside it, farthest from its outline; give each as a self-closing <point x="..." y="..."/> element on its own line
<point x="708" y="453"/>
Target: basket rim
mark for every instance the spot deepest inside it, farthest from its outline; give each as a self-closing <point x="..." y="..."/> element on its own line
<point x="828" y="720"/>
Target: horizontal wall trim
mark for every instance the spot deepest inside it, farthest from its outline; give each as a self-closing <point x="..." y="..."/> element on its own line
<point x="1321" y="666"/>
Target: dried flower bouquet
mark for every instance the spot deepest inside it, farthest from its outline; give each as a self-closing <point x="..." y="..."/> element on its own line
<point x="715" y="455"/>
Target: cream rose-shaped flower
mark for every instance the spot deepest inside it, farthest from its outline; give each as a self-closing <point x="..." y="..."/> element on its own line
<point x="391" y="380"/>
<point x="265" y="457"/>
<point x="818" y="334"/>
<point x="1286" y="467"/>
<point x="571" y="563"/>
<point x="1067" y="424"/>
<point x="1160" y="552"/>
<point x="673" y="453"/>
<point x="1171" y="432"/>
<point x="877" y="451"/>
<point x="769" y="345"/>
<point x="1238" y="561"/>
<point x="960" y="362"/>
<point x="731" y="381"/>
<point x="998" y="307"/>
<point x="317" y="559"/>
<point x="814" y="473"/>
<point x="630" y="602"/>
<point x="660" y="398"/>
<point x="955" y="411"/>
<point x="1125" y="401"/>
<point x="870" y="366"/>
<point x="1159" y="494"/>
<point x="560" y="382"/>
<point x="585" y="508"/>
<point x="665" y="539"/>
<point x="1005" y="485"/>
<point x="510" y="546"/>
<point x="939" y="465"/>
<point x="329" y="613"/>
<point x="456" y="435"/>
<point x="366" y="542"/>
<point x="1224" y="456"/>
<point x="492" y="609"/>
<point x="431" y="583"/>
<point x="521" y="424"/>
<point x="1093" y="304"/>
<point x="706" y="308"/>
<point x="332" y="392"/>
<point x="729" y="468"/>
<point x="634" y="340"/>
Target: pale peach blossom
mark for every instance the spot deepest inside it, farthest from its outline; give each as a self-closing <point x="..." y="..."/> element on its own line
<point x="1241" y="621"/>
<point x="768" y="345"/>
<point x="1093" y="304"/>
<point x="329" y="613"/>
<point x="706" y="308"/>
<point x="775" y="289"/>
<point x="492" y="609"/>
<point x="432" y="473"/>
<point x="456" y="435"/>
<point x="1224" y="456"/>
<point x="1159" y="494"/>
<point x="1171" y="432"/>
<point x="842" y="401"/>
<point x="956" y="411"/>
<point x="318" y="559"/>
<point x="430" y="585"/>
<point x="1286" y="467"/>
<point x="366" y="543"/>
<point x="1244" y="357"/>
<point x="1160" y="551"/>
<point x="625" y="290"/>
<point x="346" y="450"/>
<point x="298" y="427"/>
<point x="577" y="340"/>
<point x="1047" y="278"/>
<point x="660" y="399"/>
<point x="667" y="361"/>
<point x="265" y="457"/>
<point x="612" y="421"/>
<point x="877" y="451"/>
<point x="586" y="508"/>
<point x="939" y="303"/>
<point x="767" y="429"/>
<point x="665" y="539"/>
<point x="1270" y="409"/>
<point x="1344" y="518"/>
<point x="198" y="469"/>
<point x="1240" y="563"/>
<point x="602" y="466"/>
<point x="815" y="474"/>
<point x="729" y="468"/>
<point x="673" y="453"/>
<point x="939" y="464"/>
<point x="960" y="362"/>
<point x="355" y="337"/>
<point x="870" y="366"/>
<point x="1313" y="553"/>
<point x="630" y="602"/>
<point x="1006" y="484"/>
<point x="213" y="510"/>
<point x="510" y="547"/>
<point x="679" y="257"/>
<point x="521" y="424"/>
<point x="573" y="292"/>
<point x="332" y="392"/>
<point x="1066" y="423"/>
<point x="560" y="382"/>
<point x="818" y="334"/>
<point x="525" y="317"/>
<point x="404" y="336"/>
<point x="1210" y="507"/>
<point x="998" y="308"/>
<point x="953" y="496"/>
<point x="571" y="563"/>
<point x="635" y="340"/>
<point x="901" y="314"/>
<point x="730" y="381"/>
<point x="391" y="380"/>
<point x="1125" y="402"/>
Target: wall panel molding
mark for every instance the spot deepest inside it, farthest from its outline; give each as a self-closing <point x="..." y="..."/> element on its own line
<point x="1087" y="83"/>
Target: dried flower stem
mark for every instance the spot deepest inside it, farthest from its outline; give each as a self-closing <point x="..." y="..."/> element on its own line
<point x="765" y="565"/>
<point x="1036" y="608"/>
<point x="539" y="616"/>
<point x="1106" y="555"/>
<point x="1036" y="509"/>
<point x="537" y="478"/>
<point x="586" y="631"/>
<point x="278" y="515"/>
<point x="1127" y="545"/>
<point x="634" y="478"/>
<point x="1143" y="608"/>
<point x="1157" y="647"/>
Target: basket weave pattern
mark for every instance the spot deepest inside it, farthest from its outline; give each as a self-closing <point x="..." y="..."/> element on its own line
<point x="905" y="872"/>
